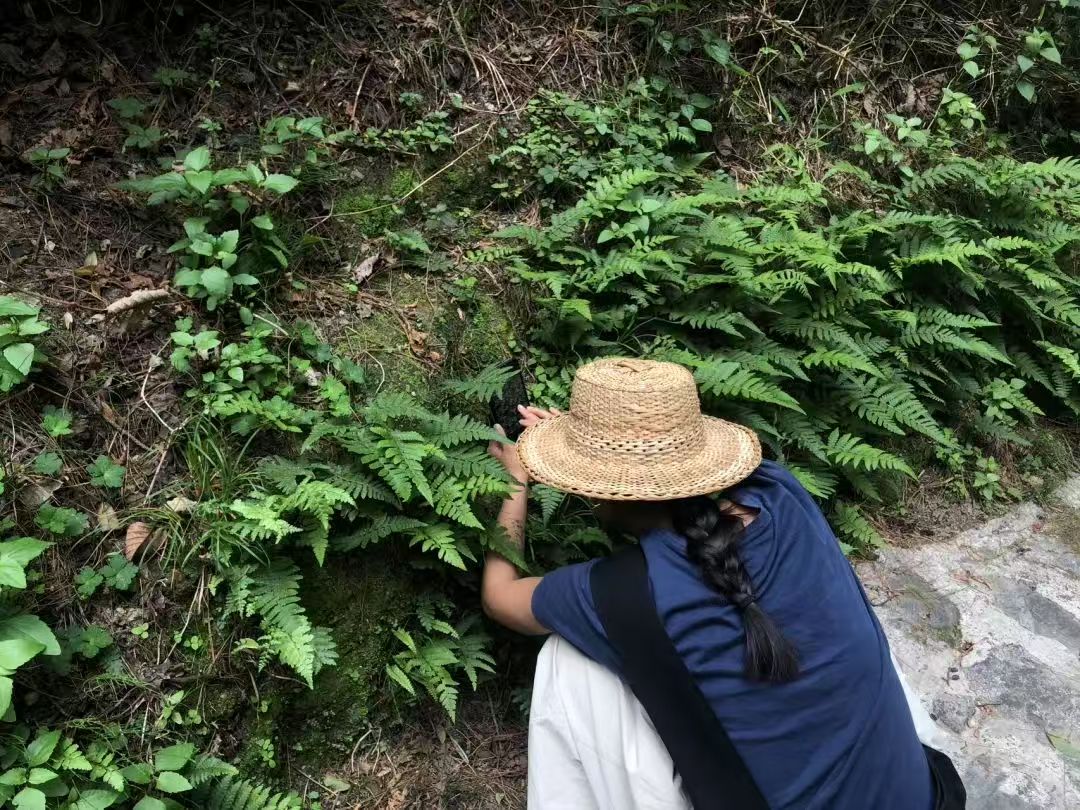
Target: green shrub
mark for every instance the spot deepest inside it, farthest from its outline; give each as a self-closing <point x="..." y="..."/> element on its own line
<point x="835" y="330"/>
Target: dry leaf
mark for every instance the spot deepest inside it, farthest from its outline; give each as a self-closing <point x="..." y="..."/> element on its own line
<point x="138" y="298"/>
<point x="181" y="504"/>
<point x="362" y="272"/>
<point x="34" y="495"/>
<point x="107" y="519"/>
<point x="138" y="534"/>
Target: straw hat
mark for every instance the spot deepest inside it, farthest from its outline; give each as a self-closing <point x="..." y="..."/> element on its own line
<point x="635" y="432"/>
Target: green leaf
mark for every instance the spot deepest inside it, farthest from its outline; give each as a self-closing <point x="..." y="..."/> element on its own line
<point x="39" y="776"/>
<point x="140" y="773"/>
<point x="1026" y="89"/>
<point x="11" y="307"/>
<point x="174" y="757"/>
<point x="105" y="472"/>
<point x="171" y="782"/>
<point x="56" y="421"/>
<point x="15" y="776"/>
<point x="16" y="652"/>
<point x="95" y="800"/>
<point x="29" y="799"/>
<point x="972" y="69"/>
<point x="1050" y="54"/>
<point x="21" y="356"/>
<point x="400" y="678"/>
<point x="1064" y="745"/>
<point x="150" y="803"/>
<point x="263" y="222"/>
<point x="48" y="464"/>
<point x="1025" y="63"/>
<point x="28" y="626"/>
<point x="39" y="751"/>
<point x="701" y="125"/>
<point x="216" y="281"/>
<point x="281" y="183"/>
<point x="200" y="181"/>
<point x="197" y="159"/>
<point x="127" y="107"/>
<point x="6" y="685"/>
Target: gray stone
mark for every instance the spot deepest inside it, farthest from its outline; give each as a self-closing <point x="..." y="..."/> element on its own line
<point x="986" y="627"/>
<point x="953" y="711"/>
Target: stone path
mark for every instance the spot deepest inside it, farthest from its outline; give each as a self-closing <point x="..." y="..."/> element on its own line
<point x="986" y="628"/>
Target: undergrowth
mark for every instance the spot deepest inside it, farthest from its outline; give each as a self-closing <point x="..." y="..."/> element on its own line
<point x="875" y="284"/>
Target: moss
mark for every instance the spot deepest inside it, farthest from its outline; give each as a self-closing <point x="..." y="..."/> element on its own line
<point x="359" y="601"/>
<point x="377" y="208"/>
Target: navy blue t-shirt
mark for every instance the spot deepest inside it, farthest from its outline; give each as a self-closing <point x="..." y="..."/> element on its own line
<point x="840" y="736"/>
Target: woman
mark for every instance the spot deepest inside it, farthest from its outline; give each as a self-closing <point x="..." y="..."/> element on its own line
<point x="752" y="590"/>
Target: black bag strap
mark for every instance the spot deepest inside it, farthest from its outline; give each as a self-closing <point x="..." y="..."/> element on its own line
<point x="713" y="774"/>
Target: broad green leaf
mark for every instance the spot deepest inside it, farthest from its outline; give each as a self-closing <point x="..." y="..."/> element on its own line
<point x="6" y="685"/>
<point x="263" y="222"/>
<point x="172" y="782"/>
<point x="149" y="803"/>
<point x="28" y="626"/>
<point x="39" y="776"/>
<point x="15" y="776"/>
<point x="14" y="308"/>
<point x="15" y="652"/>
<point x="39" y="751"/>
<point x="21" y="356"/>
<point x="701" y="125"/>
<point x="29" y="799"/>
<point x="95" y="800"/>
<point x="1050" y="54"/>
<point x="12" y="575"/>
<point x="23" y="550"/>
<point x="281" y="183"/>
<point x="972" y="69"/>
<point x="1025" y="63"/>
<point x="174" y="757"/>
<point x="140" y="773"/>
<point x="1026" y="89"/>
<point x="200" y="181"/>
<point x="216" y="281"/>
<point x="197" y="159"/>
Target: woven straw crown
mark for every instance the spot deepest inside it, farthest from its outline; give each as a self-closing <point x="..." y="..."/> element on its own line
<point x="635" y="432"/>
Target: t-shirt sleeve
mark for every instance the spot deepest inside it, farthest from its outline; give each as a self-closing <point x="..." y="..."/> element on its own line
<point x="563" y="603"/>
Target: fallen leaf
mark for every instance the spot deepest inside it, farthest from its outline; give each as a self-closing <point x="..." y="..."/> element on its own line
<point x="34" y="495"/>
<point x="52" y="60"/>
<point x="107" y="519"/>
<point x="138" y="534"/>
<point x="362" y="272"/>
<point x="136" y="299"/>
<point x="181" y="504"/>
<point x="1064" y="745"/>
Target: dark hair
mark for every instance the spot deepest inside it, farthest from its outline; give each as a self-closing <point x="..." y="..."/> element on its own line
<point x="712" y="539"/>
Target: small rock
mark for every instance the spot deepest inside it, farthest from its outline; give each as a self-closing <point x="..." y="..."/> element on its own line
<point x="953" y="711"/>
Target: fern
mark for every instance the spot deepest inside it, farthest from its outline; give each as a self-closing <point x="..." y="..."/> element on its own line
<point x="232" y="793"/>
<point x="272" y="593"/>
<point x="485" y="385"/>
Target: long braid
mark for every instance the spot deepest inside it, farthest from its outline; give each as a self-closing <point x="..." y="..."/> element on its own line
<point x="712" y="542"/>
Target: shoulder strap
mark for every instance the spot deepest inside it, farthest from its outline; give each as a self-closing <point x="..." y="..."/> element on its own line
<point x="713" y="774"/>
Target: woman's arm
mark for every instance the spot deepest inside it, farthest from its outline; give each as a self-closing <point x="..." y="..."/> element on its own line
<point x="505" y="594"/>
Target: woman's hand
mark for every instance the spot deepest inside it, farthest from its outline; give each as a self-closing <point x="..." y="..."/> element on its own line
<point x="507" y="454"/>
<point x="531" y="415"/>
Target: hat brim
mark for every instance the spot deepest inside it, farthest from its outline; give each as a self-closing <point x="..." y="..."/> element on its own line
<point x="728" y="453"/>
